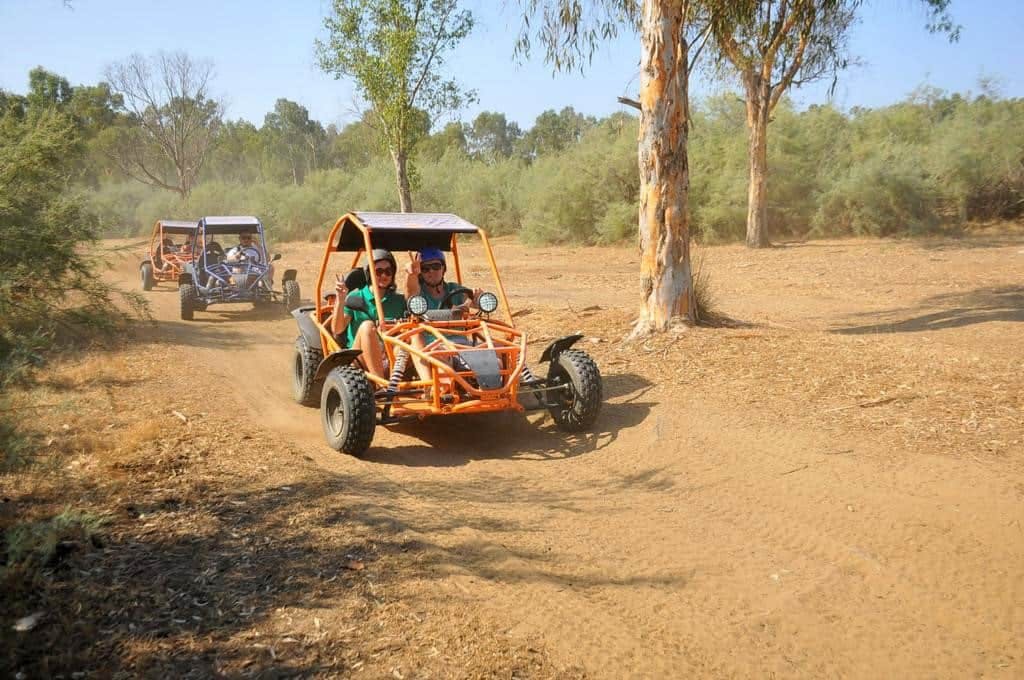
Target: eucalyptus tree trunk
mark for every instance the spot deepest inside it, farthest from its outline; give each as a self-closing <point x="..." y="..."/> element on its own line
<point x="758" y="109"/>
<point x="402" y="176"/>
<point x="666" y="279"/>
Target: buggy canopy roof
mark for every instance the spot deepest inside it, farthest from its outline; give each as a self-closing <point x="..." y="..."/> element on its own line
<point x="230" y="224"/>
<point x="178" y="226"/>
<point x="401" y="231"/>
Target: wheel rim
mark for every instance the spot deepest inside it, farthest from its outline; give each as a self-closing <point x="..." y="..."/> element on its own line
<point x="298" y="371"/>
<point x="335" y="413"/>
<point x="567" y="397"/>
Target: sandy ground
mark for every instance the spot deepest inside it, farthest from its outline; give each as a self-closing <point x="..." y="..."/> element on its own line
<point x="832" y="485"/>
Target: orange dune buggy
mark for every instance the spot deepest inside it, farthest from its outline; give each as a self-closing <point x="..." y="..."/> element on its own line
<point x="167" y="257"/>
<point x="475" y="362"/>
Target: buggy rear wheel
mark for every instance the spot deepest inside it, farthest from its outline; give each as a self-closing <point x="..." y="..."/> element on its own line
<point x="189" y="301"/>
<point x="291" y="295"/>
<point x="305" y="388"/>
<point x="146" y="272"/>
<point x="347" y="410"/>
<point x="575" y="407"/>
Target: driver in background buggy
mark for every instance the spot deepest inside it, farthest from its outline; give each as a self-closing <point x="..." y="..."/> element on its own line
<point x="247" y="250"/>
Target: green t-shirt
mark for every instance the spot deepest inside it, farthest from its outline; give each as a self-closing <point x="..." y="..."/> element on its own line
<point x="435" y="302"/>
<point x="393" y="304"/>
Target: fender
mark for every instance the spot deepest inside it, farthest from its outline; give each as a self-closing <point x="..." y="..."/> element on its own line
<point x="306" y="325"/>
<point x="341" y="358"/>
<point x="289" y="275"/>
<point x="558" y="346"/>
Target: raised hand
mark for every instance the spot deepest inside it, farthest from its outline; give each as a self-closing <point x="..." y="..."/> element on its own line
<point x="414" y="264"/>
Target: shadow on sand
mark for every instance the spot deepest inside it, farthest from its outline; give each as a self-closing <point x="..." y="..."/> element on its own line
<point x="951" y="310"/>
<point x="455" y="441"/>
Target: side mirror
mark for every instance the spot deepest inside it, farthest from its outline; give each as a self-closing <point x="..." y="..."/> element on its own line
<point x="356" y="302"/>
<point x="276" y="257"/>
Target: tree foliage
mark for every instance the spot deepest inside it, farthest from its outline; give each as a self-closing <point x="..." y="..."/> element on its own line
<point x="932" y="161"/>
<point x="49" y="288"/>
<point x="773" y="45"/>
<point x="174" y="119"/>
<point x="394" y="51"/>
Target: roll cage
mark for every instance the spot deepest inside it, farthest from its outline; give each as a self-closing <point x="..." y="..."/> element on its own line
<point x="159" y="256"/>
<point x="235" y="281"/>
<point x="475" y="362"/>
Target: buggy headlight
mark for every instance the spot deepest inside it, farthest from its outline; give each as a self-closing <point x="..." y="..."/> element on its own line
<point x="418" y="305"/>
<point x="488" y="302"/>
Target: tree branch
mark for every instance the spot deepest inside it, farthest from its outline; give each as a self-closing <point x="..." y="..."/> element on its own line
<point x="629" y="102"/>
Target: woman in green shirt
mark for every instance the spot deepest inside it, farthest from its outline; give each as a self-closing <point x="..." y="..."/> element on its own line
<point x="356" y="328"/>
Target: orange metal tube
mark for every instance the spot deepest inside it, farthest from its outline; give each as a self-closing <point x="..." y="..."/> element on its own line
<point x="497" y="278"/>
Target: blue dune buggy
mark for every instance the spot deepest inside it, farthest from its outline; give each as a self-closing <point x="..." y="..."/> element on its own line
<point x="242" y="272"/>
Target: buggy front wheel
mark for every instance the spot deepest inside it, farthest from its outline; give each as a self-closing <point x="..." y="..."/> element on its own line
<point x="576" y="405"/>
<point x="305" y="388"/>
<point x="291" y="296"/>
<point x="146" y="272"/>
<point x="347" y="410"/>
<point x="189" y="301"/>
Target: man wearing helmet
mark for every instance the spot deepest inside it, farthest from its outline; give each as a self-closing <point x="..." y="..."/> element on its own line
<point x="247" y="250"/>
<point x="357" y="328"/>
<point x="426" y="270"/>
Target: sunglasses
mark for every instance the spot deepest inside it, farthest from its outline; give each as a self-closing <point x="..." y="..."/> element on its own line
<point x="386" y="271"/>
<point x="433" y="267"/>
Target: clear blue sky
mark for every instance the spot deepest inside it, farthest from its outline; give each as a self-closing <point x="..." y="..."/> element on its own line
<point x="263" y="49"/>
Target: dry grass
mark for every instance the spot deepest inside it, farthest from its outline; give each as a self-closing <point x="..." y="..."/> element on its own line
<point x="179" y="559"/>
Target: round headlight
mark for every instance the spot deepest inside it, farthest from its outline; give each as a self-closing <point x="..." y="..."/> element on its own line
<point x="488" y="302"/>
<point x="418" y="305"/>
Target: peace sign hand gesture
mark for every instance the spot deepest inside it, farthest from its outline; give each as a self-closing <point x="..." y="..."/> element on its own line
<point x="414" y="264"/>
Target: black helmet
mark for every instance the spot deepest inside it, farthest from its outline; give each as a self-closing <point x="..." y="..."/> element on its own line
<point x="381" y="254"/>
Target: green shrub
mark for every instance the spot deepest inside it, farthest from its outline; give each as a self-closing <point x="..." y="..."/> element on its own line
<point x="49" y="287"/>
<point x="880" y="196"/>
<point x="31" y="546"/>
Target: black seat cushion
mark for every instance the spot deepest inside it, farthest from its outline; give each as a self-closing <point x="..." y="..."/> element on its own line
<point x="356" y="279"/>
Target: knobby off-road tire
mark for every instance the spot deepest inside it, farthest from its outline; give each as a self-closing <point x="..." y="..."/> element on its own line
<point x="189" y="301"/>
<point x="148" y="280"/>
<point x="307" y="359"/>
<point x="347" y="411"/>
<point x="291" y="295"/>
<point x="576" y="407"/>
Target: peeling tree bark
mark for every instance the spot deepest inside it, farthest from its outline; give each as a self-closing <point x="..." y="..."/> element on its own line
<point x="758" y="110"/>
<point x="666" y="278"/>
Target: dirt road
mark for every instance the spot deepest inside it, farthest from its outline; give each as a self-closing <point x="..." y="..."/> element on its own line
<point x="833" y="488"/>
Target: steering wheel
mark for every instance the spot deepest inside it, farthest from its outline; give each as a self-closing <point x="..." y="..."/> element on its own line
<point x="446" y="303"/>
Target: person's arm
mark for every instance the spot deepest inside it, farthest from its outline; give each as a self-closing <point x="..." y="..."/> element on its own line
<point x="470" y="305"/>
<point x="340" y="318"/>
<point x="412" y="279"/>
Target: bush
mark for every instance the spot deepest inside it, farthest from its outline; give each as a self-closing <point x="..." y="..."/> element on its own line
<point x="880" y="196"/>
<point x="31" y="546"/>
<point x="49" y="289"/>
<point x="906" y="168"/>
<point x="570" y="194"/>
